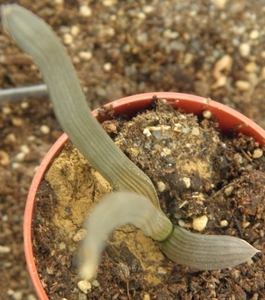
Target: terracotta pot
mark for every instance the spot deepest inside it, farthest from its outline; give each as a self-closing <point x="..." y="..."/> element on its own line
<point x="229" y="120"/>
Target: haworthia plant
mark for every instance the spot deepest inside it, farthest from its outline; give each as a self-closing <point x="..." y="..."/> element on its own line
<point x="137" y="201"/>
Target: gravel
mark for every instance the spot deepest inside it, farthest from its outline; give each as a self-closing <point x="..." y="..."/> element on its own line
<point x="210" y="48"/>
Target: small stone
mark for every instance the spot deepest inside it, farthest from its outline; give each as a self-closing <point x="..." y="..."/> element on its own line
<point x="85" y="55"/>
<point x="84" y="286"/>
<point x="245" y="224"/>
<point x="165" y="152"/>
<point x="32" y="297"/>
<point x="251" y="67"/>
<point x="224" y="223"/>
<point x="108" y="3"/>
<point x="67" y="39"/>
<point x="75" y="30"/>
<point x="161" y="271"/>
<point x="257" y="153"/>
<point x="229" y="190"/>
<point x="244" y="49"/>
<point x="4" y="158"/>
<point x="79" y="236"/>
<point x="24" y="105"/>
<point x="242" y="85"/>
<point x="187" y="182"/>
<point x="199" y="223"/>
<point x="141" y="15"/>
<point x="207" y="114"/>
<point x="6" y="110"/>
<point x="5" y="249"/>
<point x="188" y="58"/>
<point x="17" y="121"/>
<point x="250" y="262"/>
<point x="107" y="67"/>
<point x="195" y="131"/>
<point x="178" y="127"/>
<point x="161" y="186"/>
<point x="24" y="149"/>
<point x="170" y="34"/>
<point x="147" y="9"/>
<point x="220" y="3"/>
<point x="20" y="157"/>
<point x="10" y="138"/>
<point x="15" y="165"/>
<point x="224" y="63"/>
<point x="45" y="129"/>
<point x="147" y="132"/>
<point x="181" y="223"/>
<point x="254" y="34"/>
<point x="95" y="283"/>
<point x="85" y="10"/>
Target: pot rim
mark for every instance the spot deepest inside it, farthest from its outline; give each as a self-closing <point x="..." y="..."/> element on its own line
<point x="227" y="117"/>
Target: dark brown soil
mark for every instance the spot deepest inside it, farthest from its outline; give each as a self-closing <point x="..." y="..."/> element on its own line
<point x="223" y="182"/>
<point x="156" y="46"/>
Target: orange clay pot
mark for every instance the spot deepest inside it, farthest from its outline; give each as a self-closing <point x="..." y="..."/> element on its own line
<point x="228" y="118"/>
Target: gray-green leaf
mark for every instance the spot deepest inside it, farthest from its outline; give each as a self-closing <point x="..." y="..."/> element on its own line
<point x="206" y="252"/>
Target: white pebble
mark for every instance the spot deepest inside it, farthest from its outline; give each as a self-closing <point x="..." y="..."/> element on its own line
<point x="20" y="157"/>
<point x="187" y="182"/>
<point x="75" y="30"/>
<point x="24" y="105"/>
<point x="141" y="16"/>
<point x="161" y="271"/>
<point x="161" y="186"/>
<point x="251" y="67"/>
<point x="67" y="39"/>
<point x="4" y="249"/>
<point x="109" y="2"/>
<point x="95" y="283"/>
<point x="16" y="166"/>
<point x="84" y="286"/>
<point x="79" y="236"/>
<point x="244" y="49"/>
<point x="199" y="223"/>
<point x="257" y="153"/>
<point x="254" y="34"/>
<point x="147" y="9"/>
<point x="85" y="55"/>
<point x="181" y="223"/>
<point x="45" y="129"/>
<point x="188" y="58"/>
<point x="85" y="10"/>
<point x="224" y="223"/>
<point x="6" y="110"/>
<point x="229" y="190"/>
<point x="242" y="85"/>
<point x="207" y="114"/>
<point x="170" y="34"/>
<point x="195" y="131"/>
<point x="147" y="132"/>
<point x="165" y="152"/>
<point x="107" y="67"/>
<point x="178" y="127"/>
<point x="220" y="3"/>
<point x="146" y="297"/>
<point x="24" y="149"/>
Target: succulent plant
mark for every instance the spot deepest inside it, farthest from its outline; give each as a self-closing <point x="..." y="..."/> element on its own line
<point x="135" y="200"/>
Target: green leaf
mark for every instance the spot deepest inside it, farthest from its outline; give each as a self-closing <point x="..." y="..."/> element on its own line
<point x="206" y="252"/>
